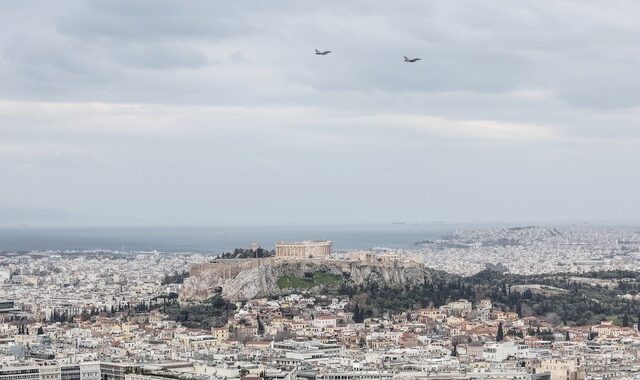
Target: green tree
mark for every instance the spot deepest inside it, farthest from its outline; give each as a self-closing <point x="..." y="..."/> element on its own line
<point x="260" y="327"/>
<point x="358" y="316"/>
<point x="500" y="334"/>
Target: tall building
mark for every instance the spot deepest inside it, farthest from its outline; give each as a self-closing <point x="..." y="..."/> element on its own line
<point x="304" y="249"/>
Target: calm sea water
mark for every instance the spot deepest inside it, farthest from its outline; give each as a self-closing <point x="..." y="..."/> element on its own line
<point x="214" y="239"/>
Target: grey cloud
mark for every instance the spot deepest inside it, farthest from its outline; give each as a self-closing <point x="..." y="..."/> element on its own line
<point x="217" y="112"/>
<point x="44" y="67"/>
<point x="480" y="47"/>
<point x="153" y="20"/>
<point x="159" y="56"/>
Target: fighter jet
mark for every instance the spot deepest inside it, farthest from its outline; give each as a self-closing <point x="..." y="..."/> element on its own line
<point x="318" y="52"/>
<point x="411" y="59"/>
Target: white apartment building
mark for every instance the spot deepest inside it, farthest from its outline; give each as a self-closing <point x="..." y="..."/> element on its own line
<point x="82" y="371"/>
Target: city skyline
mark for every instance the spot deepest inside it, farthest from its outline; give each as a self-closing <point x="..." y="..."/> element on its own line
<point x="319" y="190"/>
<point x="518" y="303"/>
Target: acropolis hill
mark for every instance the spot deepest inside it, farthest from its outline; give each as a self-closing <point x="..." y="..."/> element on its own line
<point x="242" y="279"/>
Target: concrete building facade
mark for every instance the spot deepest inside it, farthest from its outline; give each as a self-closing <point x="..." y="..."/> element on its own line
<point x="83" y="371"/>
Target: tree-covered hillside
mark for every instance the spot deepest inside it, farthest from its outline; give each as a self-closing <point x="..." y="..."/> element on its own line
<point x="563" y="298"/>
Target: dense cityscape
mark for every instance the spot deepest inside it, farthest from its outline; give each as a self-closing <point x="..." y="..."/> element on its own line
<point x="319" y="190"/>
<point x="501" y="303"/>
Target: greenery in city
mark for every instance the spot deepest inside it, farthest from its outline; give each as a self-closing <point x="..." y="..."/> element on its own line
<point x="242" y="253"/>
<point x="560" y="298"/>
<point x="214" y="312"/>
<point x="310" y="280"/>
<point x="500" y="333"/>
<point x="175" y="278"/>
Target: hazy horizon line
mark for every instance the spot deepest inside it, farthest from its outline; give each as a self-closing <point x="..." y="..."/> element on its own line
<point x="546" y="222"/>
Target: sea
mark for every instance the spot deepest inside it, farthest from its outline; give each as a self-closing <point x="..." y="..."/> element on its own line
<point x="216" y="239"/>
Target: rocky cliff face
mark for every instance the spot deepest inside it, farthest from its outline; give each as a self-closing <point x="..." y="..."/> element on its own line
<point x="251" y="278"/>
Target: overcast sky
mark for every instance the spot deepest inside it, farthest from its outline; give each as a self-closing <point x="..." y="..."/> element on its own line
<point x="200" y="112"/>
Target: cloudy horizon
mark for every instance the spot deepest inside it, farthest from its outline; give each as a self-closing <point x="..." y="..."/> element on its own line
<point x="207" y="113"/>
